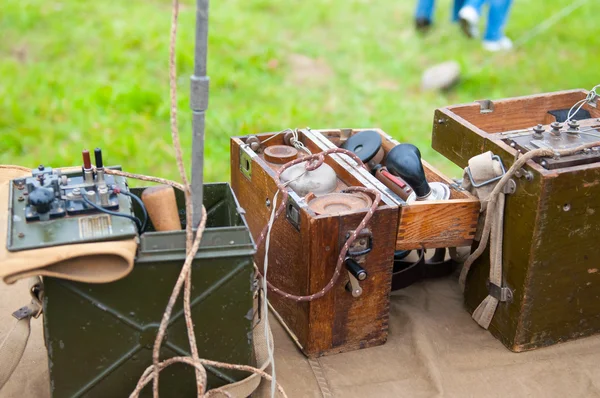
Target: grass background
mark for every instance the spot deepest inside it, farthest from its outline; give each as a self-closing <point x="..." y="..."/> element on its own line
<point x="82" y="74"/>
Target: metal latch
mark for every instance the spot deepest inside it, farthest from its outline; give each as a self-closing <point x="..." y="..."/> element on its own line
<point x="477" y="185"/>
<point x="362" y="245"/>
<point x="245" y="164"/>
<point x="502" y="294"/>
<point x="293" y="214"/>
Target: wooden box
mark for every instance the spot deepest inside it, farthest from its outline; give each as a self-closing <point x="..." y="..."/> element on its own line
<point x="304" y="249"/>
<point x="428" y="224"/>
<point x="551" y="258"/>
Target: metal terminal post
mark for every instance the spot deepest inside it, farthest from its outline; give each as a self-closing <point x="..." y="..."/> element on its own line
<point x="104" y="196"/>
<point x="573" y="129"/>
<point x="88" y="172"/>
<point x="556" y="126"/>
<point x="99" y="167"/>
<point x="91" y="195"/>
<point x="538" y="132"/>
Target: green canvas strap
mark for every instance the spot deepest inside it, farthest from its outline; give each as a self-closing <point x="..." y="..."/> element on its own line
<point x="480" y="178"/>
<point x="13" y="346"/>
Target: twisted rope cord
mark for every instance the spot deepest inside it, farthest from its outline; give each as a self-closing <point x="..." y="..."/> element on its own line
<point x="142" y="177"/>
<point x="310" y="165"/>
<point x="192" y="246"/>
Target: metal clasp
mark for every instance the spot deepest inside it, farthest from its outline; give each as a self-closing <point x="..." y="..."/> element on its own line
<point x="477" y="185"/>
<point x="362" y="245"/>
<point x="293" y="213"/>
<point x="502" y="294"/>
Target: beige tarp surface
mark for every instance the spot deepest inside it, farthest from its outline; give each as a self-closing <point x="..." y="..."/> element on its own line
<point x="434" y="350"/>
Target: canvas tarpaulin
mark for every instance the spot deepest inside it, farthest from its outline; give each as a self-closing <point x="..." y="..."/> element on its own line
<point x="434" y="349"/>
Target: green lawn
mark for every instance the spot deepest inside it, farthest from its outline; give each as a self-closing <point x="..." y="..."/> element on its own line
<point x="81" y="74"/>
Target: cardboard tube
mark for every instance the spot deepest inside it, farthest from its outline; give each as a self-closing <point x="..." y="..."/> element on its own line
<point x="161" y="205"/>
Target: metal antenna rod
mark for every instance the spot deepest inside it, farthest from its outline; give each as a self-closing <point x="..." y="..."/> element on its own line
<point x="199" y="104"/>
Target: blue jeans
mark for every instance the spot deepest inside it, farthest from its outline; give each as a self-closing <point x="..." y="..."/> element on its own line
<point x="497" y="16"/>
<point x="425" y="9"/>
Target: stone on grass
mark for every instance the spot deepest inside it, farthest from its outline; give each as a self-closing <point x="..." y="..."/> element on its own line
<point x="441" y="77"/>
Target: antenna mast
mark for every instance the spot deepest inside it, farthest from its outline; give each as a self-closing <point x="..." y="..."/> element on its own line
<point x="199" y="104"/>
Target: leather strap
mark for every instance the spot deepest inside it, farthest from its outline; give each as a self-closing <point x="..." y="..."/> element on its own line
<point x="485" y="168"/>
<point x="13" y="346"/>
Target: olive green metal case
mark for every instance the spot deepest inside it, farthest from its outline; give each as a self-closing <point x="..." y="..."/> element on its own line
<point x="100" y="336"/>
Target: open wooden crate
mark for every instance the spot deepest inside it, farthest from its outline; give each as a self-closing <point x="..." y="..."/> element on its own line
<point x="305" y="246"/>
<point x="550" y="248"/>
<point x="428" y="224"/>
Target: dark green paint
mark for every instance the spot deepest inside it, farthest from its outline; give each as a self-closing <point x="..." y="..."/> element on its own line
<point x="100" y="336"/>
<point x="551" y="257"/>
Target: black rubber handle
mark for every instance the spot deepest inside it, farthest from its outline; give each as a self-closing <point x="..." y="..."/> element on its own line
<point x="404" y="161"/>
<point x="355" y="269"/>
<point x="42" y="199"/>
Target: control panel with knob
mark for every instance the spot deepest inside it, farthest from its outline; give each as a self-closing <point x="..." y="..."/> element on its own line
<point x="54" y="207"/>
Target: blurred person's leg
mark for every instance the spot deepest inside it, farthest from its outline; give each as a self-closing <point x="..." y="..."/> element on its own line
<point x="424" y="14"/>
<point x="469" y="17"/>
<point x="458" y="4"/>
<point x="495" y="39"/>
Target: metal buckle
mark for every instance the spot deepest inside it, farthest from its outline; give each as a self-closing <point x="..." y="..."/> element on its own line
<point x="502" y="294"/>
<point x="23" y="312"/>
<point x="494" y="157"/>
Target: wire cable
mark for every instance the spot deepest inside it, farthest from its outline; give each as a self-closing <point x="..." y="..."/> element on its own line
<point x="142" y="206"/>
<point x="136" y="220"/>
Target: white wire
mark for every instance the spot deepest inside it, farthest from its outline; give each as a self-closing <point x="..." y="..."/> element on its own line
<point x="270" y="344"/>
<point x="275" y="135"/>
<point x="589" y="98"/>
<point x="265" y="311"/>
<point x="298" y="144"/>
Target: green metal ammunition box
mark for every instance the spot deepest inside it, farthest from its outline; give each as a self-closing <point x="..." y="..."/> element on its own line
<point x="100" y="336"/>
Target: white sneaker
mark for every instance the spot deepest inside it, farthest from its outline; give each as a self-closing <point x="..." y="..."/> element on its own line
<point x="504" y="44"/>
<point x="469" y="21"/>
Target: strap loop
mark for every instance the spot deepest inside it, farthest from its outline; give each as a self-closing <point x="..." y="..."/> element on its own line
<point x="490" y="180"/>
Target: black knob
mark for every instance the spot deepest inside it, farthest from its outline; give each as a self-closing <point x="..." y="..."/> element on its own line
<point x="42" y="199"/>
<point x="355" y="269"/>
<point x="404" y="161"/>
<point x="365" y="144"/>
